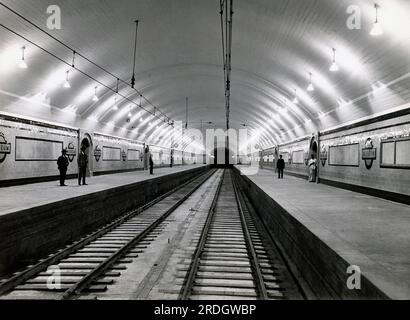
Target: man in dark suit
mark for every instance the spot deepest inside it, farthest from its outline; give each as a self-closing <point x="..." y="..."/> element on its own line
<point x="151" y="165"/>
<point x="82" y="166"/>
<point x="62" y="163"/>
<point x="280" y="165"/>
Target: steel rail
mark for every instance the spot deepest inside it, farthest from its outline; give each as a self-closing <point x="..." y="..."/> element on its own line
<point x="253" y="258"/>
<point x="76" y="289"/>
<point x="303" y="290"/>
<point x="200" y="247"/>
<point x="42" y="265"/>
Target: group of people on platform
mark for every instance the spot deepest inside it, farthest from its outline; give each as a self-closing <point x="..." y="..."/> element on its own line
<point x="82" y="162"/>
<point x="312" y="166"/>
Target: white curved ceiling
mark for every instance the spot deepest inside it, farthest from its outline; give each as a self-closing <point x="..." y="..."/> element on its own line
<point x="276" y="44"/>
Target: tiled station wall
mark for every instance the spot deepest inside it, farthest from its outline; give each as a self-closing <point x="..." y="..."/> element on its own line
<point x="115" y="154"/>
<point x="344" y="150"/>
<point x="389" y="171"/>
<point x="29" y="151"/>
<point x="294" y="155"/>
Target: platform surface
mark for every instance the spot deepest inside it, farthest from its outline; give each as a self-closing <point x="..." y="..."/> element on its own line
<point x="366" y="231"/>
<point x="17" y="198"/>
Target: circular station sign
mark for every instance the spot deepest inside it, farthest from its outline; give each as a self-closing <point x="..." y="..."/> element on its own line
<point x="5" y="148"/>
<point x="71" y="152"/>
<point x="97" y="153"/>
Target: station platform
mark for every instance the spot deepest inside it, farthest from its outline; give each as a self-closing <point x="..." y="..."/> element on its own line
<point x="324" y="230"/>
<point x="36" y="219"/>
<point x="22" y="197"/>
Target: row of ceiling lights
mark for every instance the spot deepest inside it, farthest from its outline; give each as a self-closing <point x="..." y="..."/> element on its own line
<point x="67" y="85"/>
<point x="23" y="65"/>
<point x="376" y="30"/>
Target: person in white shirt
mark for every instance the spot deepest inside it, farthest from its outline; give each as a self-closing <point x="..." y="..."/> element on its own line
<point x="312" y="164"/>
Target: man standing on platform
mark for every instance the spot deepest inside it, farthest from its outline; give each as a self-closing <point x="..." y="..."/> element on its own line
<point x="62" y="163"/>
<point x="280" y="165"/>
<point x="146" y="157"/>
<point x="151" y="165"/>
<point x="82" y="166"/>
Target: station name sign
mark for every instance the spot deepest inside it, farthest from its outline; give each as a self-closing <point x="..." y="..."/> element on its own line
<point x="5" y="148"/>
<point x="306" y="157"/>
<point x="97" y="153"/>
<point x="323" y="156"/>
<point x="71" y="151"/>
<point x="369" y="153"/>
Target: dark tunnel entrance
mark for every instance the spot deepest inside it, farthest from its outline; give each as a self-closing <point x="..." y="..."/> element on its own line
<point x="223" y="158"/>
<point x="313" y="148"/>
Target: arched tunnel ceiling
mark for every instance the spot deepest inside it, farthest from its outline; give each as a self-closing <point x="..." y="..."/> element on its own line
<point x="276" y="44"/>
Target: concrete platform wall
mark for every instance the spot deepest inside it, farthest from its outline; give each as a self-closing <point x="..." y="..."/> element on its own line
<point x="322" y="268"/>
<point x="36" y="232"/>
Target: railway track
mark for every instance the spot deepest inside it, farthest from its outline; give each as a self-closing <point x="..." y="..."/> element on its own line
<point x="93" y="262"/>
<point x="233" y="257"/>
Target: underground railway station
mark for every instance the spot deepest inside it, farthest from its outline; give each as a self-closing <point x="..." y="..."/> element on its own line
<point x="228" y="150"/>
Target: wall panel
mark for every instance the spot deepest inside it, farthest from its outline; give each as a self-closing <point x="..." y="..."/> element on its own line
<point x="133" y="155"/>
<point x="32" y="149"/>
<point x="403" y="153"/>
<point x="111" y="154"/>
<point x="298" y="157"/>
<point x="344" y="155"/>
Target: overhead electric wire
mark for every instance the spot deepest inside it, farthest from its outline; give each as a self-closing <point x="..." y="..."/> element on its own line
<point x="223" y="39"/>
<point x="80" y="55"/>
<point x="226" y="31"/>
<point x="75" y="68"/>
<point x="135" y="55"/>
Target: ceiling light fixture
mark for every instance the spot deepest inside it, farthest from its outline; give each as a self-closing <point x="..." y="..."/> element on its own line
<point x="115" y="107"/>
<point x="310" y="86"/>
<point x="334" y="67"/>
<point x="67" y="82"/>
<point x="95" y="98"/>
<point x="376" y="29"/>
<point x="22" y="62"/>
<point x="295" y="100"/>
